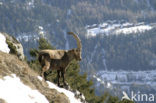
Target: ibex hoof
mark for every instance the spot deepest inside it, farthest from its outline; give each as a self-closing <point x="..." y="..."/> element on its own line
<point x="58" y="85"/>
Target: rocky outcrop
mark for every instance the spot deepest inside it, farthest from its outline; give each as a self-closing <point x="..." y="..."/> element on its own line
<point x="77" y="94"/>
<point x="10" y="64"/>
<point x="14" y="46"/>
<point x="80" y="96"/>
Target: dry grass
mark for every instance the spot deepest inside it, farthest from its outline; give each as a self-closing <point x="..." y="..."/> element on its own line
<point x="10" y="64"/>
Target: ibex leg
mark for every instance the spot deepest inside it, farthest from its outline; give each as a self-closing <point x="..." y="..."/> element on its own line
<point x="45" y="68"/>
<point x="58" y="77"/>
<point x="63" y="76"/>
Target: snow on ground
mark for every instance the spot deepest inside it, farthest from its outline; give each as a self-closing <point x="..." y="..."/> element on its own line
<point x="1" y="3"/>
<point x="127" y="77"/>
<point x="26" y="37"/>
<point x="135" y="29"/>
<point x="105" y="83"/>
<point x="12" y="90"/>
<point x="116" y="28"/>
<point x="3" y="44"/>
<point x="118" y="81"/>
<point x="69" y="94"/>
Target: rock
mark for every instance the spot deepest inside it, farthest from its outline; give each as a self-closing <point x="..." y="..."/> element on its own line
<point x="67" y="86"/>
<point x="14" y="46"/>
<point x="77" y="94"/>
<point x="80" y="96"/>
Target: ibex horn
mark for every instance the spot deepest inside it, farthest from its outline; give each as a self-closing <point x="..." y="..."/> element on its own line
<point x="77" y="39"/>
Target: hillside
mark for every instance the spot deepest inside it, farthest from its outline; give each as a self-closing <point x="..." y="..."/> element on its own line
<point x="24" y="85"/>
<point x="25" y="20"/>
<point x="118" y="37"/>
<point x="15" y="74"/>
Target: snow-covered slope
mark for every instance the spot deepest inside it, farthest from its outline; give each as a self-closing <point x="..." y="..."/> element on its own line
<point x="69" y="94"/>
<point x="117" y="27"/>
<point x="3" y="44"/>
<point x="129" y="77"/>
<point x="126" y="80"/>
<point x="20" y="84"/>
<point x="12" y="90"/>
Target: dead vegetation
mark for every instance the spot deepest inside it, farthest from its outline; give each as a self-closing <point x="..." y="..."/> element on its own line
<point x="10" y="64"/>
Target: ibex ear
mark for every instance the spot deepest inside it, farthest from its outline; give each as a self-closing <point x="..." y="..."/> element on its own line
<point x="77" y="50"/>
<point x="72" y="50"/>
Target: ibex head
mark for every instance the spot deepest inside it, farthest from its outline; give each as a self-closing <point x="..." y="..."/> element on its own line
<point x="76" y="52"/>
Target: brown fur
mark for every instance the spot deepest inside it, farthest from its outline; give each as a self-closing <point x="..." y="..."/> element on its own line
<point x="59" y="59"/>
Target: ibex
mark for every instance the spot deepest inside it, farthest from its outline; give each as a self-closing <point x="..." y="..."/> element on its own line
<point x="59" y="59"/>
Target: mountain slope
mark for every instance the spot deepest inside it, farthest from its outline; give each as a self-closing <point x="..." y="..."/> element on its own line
<point x="25" y="19"/>
<point x="12" y="70"/>
<point x="17" y="92"/>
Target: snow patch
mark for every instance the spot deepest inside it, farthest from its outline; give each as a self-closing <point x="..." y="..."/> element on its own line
<point x="12" y="90"/>
<point x="40" y="27"/>
<point x="69" y="94"/>
<point x="127" y="78"/>
<point x="1" y="3"/>
<point x="105" y="83"/>
<point x="30" y="4"/>
<point x="116" y="28"/>
<point x="3" y="45"/>
<point x="136" y="29"/>
<point x="27" y="37"/>
<point x="125" y="81"/>
<point x="41" y="31"/>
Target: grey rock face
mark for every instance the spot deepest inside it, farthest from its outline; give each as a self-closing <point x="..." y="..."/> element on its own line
<point x="15" y="45"/>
